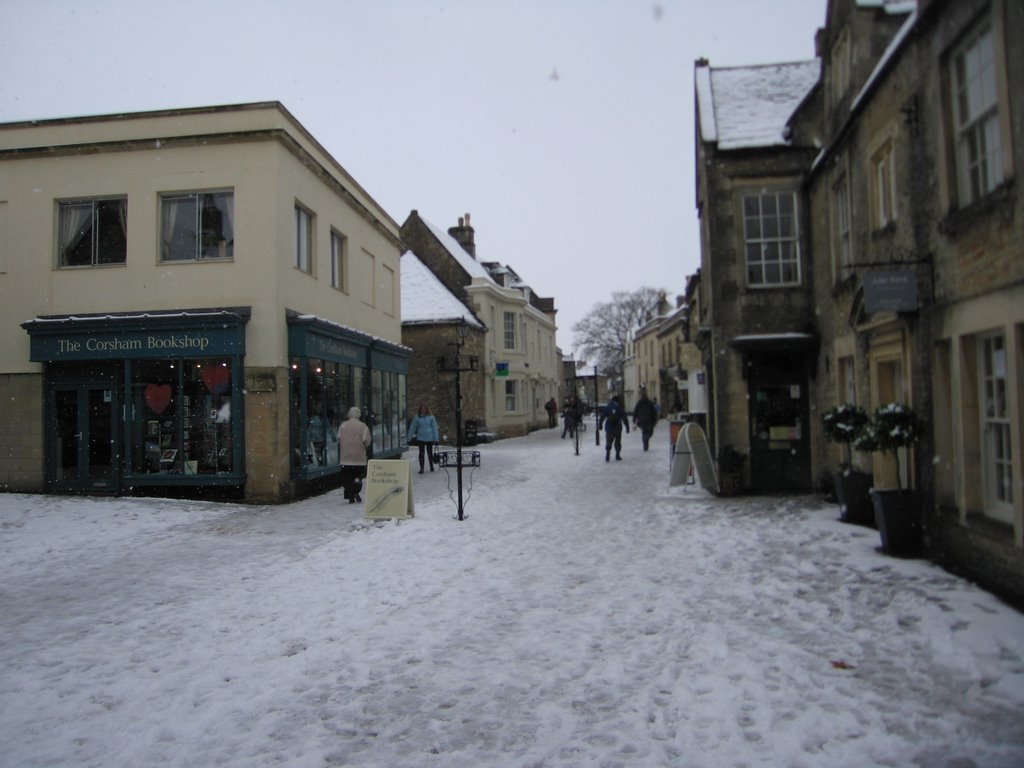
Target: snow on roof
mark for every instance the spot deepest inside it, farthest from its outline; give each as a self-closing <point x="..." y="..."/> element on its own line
<point x="473" y="267"/>
<point x="890" y="6"/>
<point x="425" y="298"/>
<point x="746" y="107"/>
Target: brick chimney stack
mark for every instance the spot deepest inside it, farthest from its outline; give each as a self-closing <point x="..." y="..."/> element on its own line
<point x="464" y="235"/>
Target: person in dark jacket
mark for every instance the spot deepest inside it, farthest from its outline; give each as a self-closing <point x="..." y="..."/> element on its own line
<point x="613" y="418"/>
<point x="552" y="408"/>
<point x="645" y="416"/>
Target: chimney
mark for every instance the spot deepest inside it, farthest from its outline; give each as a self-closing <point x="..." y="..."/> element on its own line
<point x="463" y="234"/>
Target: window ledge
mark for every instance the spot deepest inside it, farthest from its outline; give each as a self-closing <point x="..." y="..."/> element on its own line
<point x="1002" y="200"/>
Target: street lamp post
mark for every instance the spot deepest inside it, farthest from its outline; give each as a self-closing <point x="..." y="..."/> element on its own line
<point x="456" y="364"/>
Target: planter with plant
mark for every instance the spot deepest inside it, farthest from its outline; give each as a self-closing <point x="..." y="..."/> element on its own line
<point x="897" y="511"/>
<point x="730" y="470"/>
<point x="844" y="424"/>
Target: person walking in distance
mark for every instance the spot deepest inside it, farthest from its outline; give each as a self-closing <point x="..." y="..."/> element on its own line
<point x="613" y="418"/>
<point x="552" y="408"/>
<point x="353" y="438"/>
<point x="424" y="433"/>
<point x="645" y="416"/>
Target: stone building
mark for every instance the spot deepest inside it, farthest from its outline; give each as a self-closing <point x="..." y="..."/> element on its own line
<point x="902" y="161"/>
<point x="757" y="336"/>
<point x="921" y="258"/>
<point x="193" y="299"/>
<point x="520" y="366"/>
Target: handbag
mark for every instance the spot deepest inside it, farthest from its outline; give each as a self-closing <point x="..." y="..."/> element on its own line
<point x="414" y="441"/>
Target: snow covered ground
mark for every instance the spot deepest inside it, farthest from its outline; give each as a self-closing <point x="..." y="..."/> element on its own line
<point x="584" y="614"/>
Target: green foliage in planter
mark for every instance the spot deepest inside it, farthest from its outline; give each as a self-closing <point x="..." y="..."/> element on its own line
<point x="892" y="427"/>
<point x="844" y="424"/>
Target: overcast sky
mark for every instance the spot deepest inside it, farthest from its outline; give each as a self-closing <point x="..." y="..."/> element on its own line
<point x="565" y="127"/>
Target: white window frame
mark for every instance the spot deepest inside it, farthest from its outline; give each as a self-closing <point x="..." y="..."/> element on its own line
<point x="511" y="399"/>
<point x="763" y="233"/>
<point x="303" y="254"/>
<point x="510" y="330"/>
<point x="976" y="119"/>
<point x="220" y="249"/>
<point x="883" y="184"/>
<point x="68" y="227"/>
<point x="996" y="432"/>
<point x="842" y="235"/>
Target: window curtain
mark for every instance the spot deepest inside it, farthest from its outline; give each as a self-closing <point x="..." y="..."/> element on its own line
<point x="73" y="221"/>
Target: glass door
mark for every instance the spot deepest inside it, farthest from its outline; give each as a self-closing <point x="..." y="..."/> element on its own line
<point x="83" y="455"/>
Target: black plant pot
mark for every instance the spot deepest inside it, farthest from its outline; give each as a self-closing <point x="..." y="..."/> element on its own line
<point x="853" y="491"/>
<point x="898" y="516"/>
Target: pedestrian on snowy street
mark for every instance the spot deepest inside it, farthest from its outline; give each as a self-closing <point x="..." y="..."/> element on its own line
<point x="571" y="416"/>
<point x="423" y="432"/>
<point x="645" y="416"/>
<point x="614" y="418"/>
<point x="552" y="408"/>
<point x="354" y="438"/>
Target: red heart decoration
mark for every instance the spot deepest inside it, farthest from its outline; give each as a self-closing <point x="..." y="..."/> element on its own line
<point x="158" y="397"/>
<point x="216" y="378"/>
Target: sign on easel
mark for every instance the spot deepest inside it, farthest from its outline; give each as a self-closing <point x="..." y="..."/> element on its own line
<point x="697" y="442"/>
<point x="388" y="490"/>
<point x="682" y="461"/>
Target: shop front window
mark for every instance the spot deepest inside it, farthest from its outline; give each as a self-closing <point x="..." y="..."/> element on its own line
<point x="327" y="390"/>
<point x="181" y="416"/>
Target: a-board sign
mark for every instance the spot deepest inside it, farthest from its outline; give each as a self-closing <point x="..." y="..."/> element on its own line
<point x="700" y="454"/>
<point x="681" y="458"/>
<point x="388" y="489"/>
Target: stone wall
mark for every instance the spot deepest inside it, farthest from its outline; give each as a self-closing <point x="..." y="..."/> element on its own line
<point x="21" y="433"/>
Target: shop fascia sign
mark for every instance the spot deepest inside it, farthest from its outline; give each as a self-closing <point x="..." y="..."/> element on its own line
<point x="135" y="344"/>
<point x="892" y="290"/>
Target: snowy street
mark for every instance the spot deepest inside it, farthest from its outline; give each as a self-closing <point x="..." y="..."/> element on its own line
<point x="584" y="614"/>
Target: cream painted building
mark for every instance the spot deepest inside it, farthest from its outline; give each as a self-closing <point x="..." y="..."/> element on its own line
<point x="520" y="367"/>
<point x="192" y="299"/>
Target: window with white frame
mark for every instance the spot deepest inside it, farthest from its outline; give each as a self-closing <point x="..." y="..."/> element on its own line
<point x="510" y="330"/>
<point x="339" y="260"/>
<point x="995" y="426"/>
<point x="92" y="232"/>
<point x="841" y="227"/>
<point x="197" y="226"/>
<point x="303" y="240"/>
<point x="883" y="186"/>
<point x="771" y="241"/>
<point x="979" y="154"/>
<point x="510" y="397"/>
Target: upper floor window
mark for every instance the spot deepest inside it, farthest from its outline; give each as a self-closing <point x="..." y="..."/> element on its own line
<point x="303" y="239"/>
<point x="883" y="186"/>
<point x="197" y="225"/>
<point x="771" y="243"/>
<point x="92" y="232"/>
<point x="841" y="227"/>
<point x="979" y="159"/>
<point x="339" y="260"/>
<point x="510" y="330"/>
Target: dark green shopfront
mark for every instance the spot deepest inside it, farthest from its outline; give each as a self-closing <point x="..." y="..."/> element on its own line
<point x="158" y="402"/>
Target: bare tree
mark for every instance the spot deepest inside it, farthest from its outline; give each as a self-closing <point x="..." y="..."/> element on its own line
<point x="603" y="334"/>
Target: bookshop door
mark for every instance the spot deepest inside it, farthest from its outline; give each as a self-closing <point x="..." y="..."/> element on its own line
<point x="84" y="446"/>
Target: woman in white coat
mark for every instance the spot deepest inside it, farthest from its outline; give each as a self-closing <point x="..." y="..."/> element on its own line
<point x="353" y="438"/>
